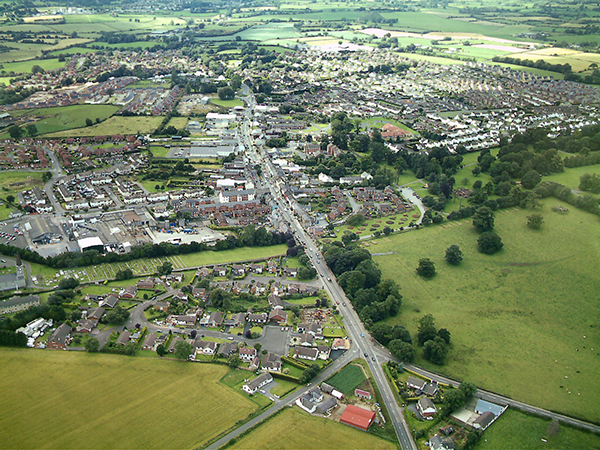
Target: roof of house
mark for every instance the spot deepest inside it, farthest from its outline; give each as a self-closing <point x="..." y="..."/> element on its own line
<point x="259" y="380"/>
<point x="124" y="338"/>
<point x="418" y="382"/>
<point x="483" y="406"/>
<point x="426" y="403"/>
<point x="309" y="352"/>
<point x="150" y="340"/>
<point x="358" y="417"/>
<point x="327" y="404"/>
<point x="485" y="419"/>
<point x="60" y="334"/>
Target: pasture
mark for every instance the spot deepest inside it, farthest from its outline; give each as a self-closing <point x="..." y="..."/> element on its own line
<point x="59" y="119"/>
<point x="529" y="309"/>
<point x="47" y="399"/>
<point x="15" y="182"/>
<point x="290" y="430"/>
<point x="347" y="379"/>
<point x="116" y="125"/>
<point x="517" y="430"/>
<point x="26" y="66"/>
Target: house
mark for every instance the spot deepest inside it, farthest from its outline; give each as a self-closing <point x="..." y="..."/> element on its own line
<point x="416" y="383"/>
<point x="364" y="395"/>
<point x="290" y="272"/>
<point x="426" y="407"/>
<point x="215" y="319"/>
<point x="431" y="389"/>
<point x="484" y="420"/>
<point x="437" y="443"/>
<point x="184" y="320"/>
<point x="129" y="292"/>
<point x="238" y="270"/>
<point x="146" y="283"/>
<point x="253" y="386"/>
<point x="238" y="319"/>
<point x="124" y="338"/>
<point x="357" y="417"/>
<point x="310" y="400"/>
<point x="310" y="328"/>
<point x="162" y="306"/>
<point x="200" y="293"/>
<point x="220" y="271"/>
<point x="483" y="407"/>
<point x="275" y="301"/>
<point x="257" y="318"/>
<point x="247" y="354"/>
<point x="324" y="352"/>
<point x="278" y="315"/>
<point x="306" y="353"/>
<point x="85" y="326"/>
<point x="205" y="347"/>
<point x="306" y="340"/>
<point x="257" y="268"/>
<point x="180" y="296"/>
<point x="227" y="348"/>
<point x="174" y="341"/>
<point x="326" y="406"/>
<point x="203" y="272"/>
<point x="95" y="314"/>
<point x="339" y="344"/>
<point x="149" y="342"/>
<point x="60" y="338"/>
<point x="109" y="302"/>
<point x="271" y="362"/>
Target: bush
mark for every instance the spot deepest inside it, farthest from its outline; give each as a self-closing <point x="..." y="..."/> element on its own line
<point x="489" y="243"/>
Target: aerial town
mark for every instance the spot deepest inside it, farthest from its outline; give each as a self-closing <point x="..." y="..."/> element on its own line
<point x="373" y="228"/>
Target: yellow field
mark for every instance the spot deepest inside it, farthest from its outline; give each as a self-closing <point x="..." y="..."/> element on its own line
<point x="294" y="429"/>
<point x="50" y="399"/>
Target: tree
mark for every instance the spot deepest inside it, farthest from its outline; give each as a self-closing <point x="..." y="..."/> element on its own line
<point x="402" y="350"/>
<point x="165" y="269"/>
<point x="116" y="316"/>
<point x="382" y="332"/>
<point x="37" y="69"/>
<point x="444" y="334"/>
<point x="10" y="198"/>
<point x="400" y="332"/>
<point x="161" y="350"/>
<point x="489" y="243"/>
<point x="234" y="361"/>
<point x="356" y="220"/>
<point x="468" y="389"/>
<point x="226" y="93"/>
<point x="483" y="219"/>
<point x="426" y="268"/>
<point x="531" y="179"/>
<point x="183" y="350"/>
<point x="425" y="334"/>
<point x="435" y="351"/>
<point x="309" y="373"/>
<point x="15" y="132"/>
<point x="31" y="129"/>
<point x="535" y="221"/>
<point x="89" y="122"/>
<point x="92" y="345"/>
<point x="453" y="399"/>
<point x="453" y="255"/>
<point x="68" y="283"/>
<point x="124" y="274"/>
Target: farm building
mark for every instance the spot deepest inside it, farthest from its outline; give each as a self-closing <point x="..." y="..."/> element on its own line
<point x="357" y="417"/>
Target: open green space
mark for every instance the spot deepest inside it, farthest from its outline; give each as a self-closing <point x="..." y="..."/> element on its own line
<point x="145" y="403"/>
<point x="235" y="255"/>
<point x="227" y="103"/>
<point x="52" y="120"/>
<point x="26" y="66"/>
<point x="15" y="182"/>
<point x="528" y="309"/>
<point x="518" y="430"/>
<point x="116" y="125"/>
<point x="347" y="379"/>
<point x="570" y="177"/>
<point x="295" y="429"/>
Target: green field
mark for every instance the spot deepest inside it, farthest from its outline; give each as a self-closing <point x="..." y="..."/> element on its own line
<point x="26" y="66"/>
<point x="530" y="309"/>
<point x="15" y="182"/>
<point x="116" y="125"/>
<point x="227" y="103"/>
<point x="294" y="429"/>
<point x="49" y="397"/>
<point x="570" y="177"/>
<point x="517" y="430"/>
<point x="348" y="379"/>
<point x="52" y="120"/>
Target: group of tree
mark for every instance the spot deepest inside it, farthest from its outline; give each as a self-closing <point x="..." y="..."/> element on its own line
<point x="116" y="316"/>
<point x="17" y="132"/>
<point x="360" y="278"/>
<point x="435" y="342"/>
<point x="397" y="338"/>
<point x="309" y="374"/>
<point x="124" y="274"/>
<point x="590" y="182"/>
<point x="21" y="318"/>
<point x="426" y="268"/>
<point x="9" y="338"/>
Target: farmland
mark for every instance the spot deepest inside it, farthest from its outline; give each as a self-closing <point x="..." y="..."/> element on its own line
<point x="527" y="309"/>
<point x="347" y="379"/>
<point x="517" y="430"/>
<point x="115" y="125"/>
<point x="145" y="403"/>
<point x="288" y="430"/>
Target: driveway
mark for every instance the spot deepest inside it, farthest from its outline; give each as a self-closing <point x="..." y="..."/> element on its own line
<point x="274" y="340"/>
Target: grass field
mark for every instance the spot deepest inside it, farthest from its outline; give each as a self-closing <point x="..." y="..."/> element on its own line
<point x="517" y="430"/>
<point x="570" y="177"/>
<point x="26" y="66"/>
<point x="227" y="103"/>
<point x="529" y="309"/>
<point x="53" y="120"/>
<point x="116" y="125"/>
<point x="347" y="379"/>
<point x="294" y="429"/>
<point x="48" y="397"/>
<point x="15" y="182"/>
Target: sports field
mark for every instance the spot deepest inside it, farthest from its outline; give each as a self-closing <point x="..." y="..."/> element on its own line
<point x="294" y="429"/>
<point x="523" y="321"/>
<point x="71" y="400"/>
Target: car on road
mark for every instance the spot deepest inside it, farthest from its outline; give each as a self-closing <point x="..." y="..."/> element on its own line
<point x="373" y="358"/>
<point x="362" y="334"/>
<point x="2" y="260"/>
<point x="230" y="338"/>
<point x="262" y="391"/>
<point x="366" y="356"/>
<point x="344" y="304"/>
<point x="329" y="279"/>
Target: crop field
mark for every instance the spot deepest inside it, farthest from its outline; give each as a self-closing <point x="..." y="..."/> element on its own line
<point x="347" y="379"/>
<point x="15" y="182"/>
<point x="517" y="430"/>
<point x="529" y="309"/>
<point x="579" y="61"/>
<point x="53" y="120"/>
<point x="289" y="430"/>
<point x="145" y="403"/>
<point x="116" y="125"/>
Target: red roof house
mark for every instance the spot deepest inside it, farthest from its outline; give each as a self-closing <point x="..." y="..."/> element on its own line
<point x="357" y="417"/>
